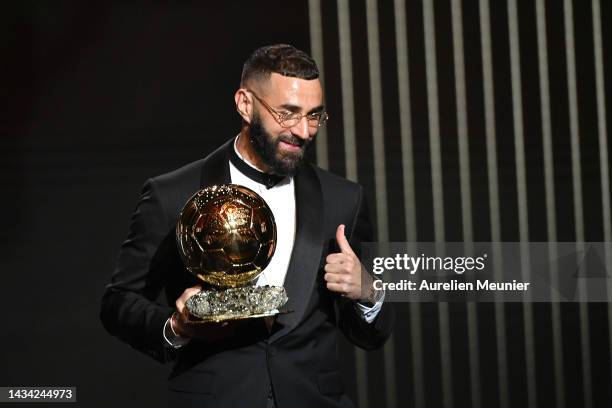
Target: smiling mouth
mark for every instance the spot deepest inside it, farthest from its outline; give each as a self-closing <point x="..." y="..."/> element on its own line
<point x="291" y="146"/>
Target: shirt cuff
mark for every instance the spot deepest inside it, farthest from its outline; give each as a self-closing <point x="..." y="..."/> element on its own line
<point x="369" y="313"/>
<point x="173" y="339"/>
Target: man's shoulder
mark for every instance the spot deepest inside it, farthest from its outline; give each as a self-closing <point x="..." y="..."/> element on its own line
<point x="174" y="188"/>
<point x="187" y="174"/>
<point x="333" y="182"/>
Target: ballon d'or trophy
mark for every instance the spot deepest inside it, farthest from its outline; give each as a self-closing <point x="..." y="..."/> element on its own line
<point x="226" y="236"/>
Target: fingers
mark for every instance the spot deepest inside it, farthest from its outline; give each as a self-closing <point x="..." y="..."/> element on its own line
<point x="344" y="267"/>
<point x="337" y="258"/>
<point x="338" y="287"/>
<point x="350" y="290"/>
<point x="189" y="292"/>
<point x="340" y="263"/>
<point x="186" y="325"/>
<point x="342" y="283"/>
<point x="343" y="243"/>
<point x="336" y="277"/>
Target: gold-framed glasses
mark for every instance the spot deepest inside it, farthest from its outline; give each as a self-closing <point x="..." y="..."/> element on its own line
<point x="290" y="119"/>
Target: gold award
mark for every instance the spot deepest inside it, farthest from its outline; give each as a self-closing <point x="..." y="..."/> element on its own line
<point x="226" y="237"/>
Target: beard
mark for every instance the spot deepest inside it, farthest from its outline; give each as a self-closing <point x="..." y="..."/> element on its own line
<point x="266" y="145"/>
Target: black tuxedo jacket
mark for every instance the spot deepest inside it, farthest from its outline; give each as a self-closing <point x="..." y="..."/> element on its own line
<point x="298" y="358"/>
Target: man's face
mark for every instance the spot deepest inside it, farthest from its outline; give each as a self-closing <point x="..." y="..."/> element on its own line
<point x="281" y="148"/>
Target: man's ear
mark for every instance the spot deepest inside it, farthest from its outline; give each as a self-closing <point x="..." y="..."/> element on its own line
<point x="244" y="104"/>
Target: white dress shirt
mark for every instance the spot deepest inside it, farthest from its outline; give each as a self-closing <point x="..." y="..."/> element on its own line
<point x="281" y="200"/>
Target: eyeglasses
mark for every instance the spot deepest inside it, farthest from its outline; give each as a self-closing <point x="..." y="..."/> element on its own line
<point x="290" y="119"/>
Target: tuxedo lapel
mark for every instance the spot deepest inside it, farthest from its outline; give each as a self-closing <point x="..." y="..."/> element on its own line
<point x="307" y="249"/>
<point x="215" y="169"/>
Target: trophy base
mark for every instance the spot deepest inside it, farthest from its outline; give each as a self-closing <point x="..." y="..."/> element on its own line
<point x="245" y="302"/>
<point x="226" y="318"/>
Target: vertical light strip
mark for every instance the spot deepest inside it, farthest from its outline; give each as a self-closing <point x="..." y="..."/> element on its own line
<point x="316" y="50"/>
<point x="549" y="179"/>
<point x="568" y="15"/>
<point x="348" y="120"/>
<point x="466" y="193"/>
<point x="403" y="83"/>
<point x="431" y="67"/>
<point x="489" y="107"/>
<point x="433" y="118"/>
<point x="380" y="181"/>
<point x="603" y="151"/>
<point x="462" y="120"/>
<point x="601" y="121"/>
<point x="521" y="187"/>
<point x="376" y="106"/>
<point x="549" y="184"/>
<point x="346" y="78"/>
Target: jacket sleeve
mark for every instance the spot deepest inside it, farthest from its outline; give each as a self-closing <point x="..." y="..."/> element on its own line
<point x="129" y="309"/>
<point x="361" y="333"/>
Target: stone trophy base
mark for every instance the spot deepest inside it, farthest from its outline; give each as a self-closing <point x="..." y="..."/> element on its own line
<point x="245" y="302"/>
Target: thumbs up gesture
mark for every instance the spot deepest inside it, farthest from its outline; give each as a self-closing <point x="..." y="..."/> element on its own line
<point x="343" y="270"/>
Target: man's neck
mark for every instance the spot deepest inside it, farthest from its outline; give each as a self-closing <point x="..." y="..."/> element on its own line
<point x="248" y="153"/>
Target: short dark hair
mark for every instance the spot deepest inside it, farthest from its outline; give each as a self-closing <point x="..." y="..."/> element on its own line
<point x="282" y="59"/>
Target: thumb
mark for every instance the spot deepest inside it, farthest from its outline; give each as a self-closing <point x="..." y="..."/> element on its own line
<point x="343" y="243"/>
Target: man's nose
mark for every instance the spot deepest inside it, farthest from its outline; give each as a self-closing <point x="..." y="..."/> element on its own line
<point x="301" y="129"/>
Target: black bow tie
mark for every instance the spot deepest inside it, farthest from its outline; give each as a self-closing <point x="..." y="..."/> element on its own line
<point x="268" y="180"/>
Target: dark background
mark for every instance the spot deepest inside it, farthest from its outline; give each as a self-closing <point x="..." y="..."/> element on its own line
<point x="99" y="96"/>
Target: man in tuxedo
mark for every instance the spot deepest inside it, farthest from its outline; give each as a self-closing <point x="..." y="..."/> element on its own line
<point x="290" y="361"/>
